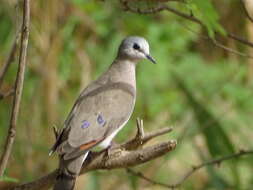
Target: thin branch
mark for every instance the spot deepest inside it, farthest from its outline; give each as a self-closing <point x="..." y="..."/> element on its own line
<point x="10" y="58"/>
<point x="140" y="130"/>
<point x="231" y="50"/>
<point x="42" y="183"/>
<point x="193" y="170"/>
<point x="158" y="9"/>
<point x="181" y="14"/>
<point x="212" y="162"/>
<point x="140" y="139"/>
<point x="142" y="176"/>
<point x="18" y="88"/>
<point x="6" y="94"/>
<point x="240" y="39"/>
<point x="157" y="133"/>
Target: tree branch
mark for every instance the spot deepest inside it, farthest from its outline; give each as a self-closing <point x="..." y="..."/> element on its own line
<point x="181" y="14"/>
<point x="191" y="171"/>
<point x="219" y="45"/>
<point x="124" y="159"/>
<point x="18" y="87"/>
<point x="142" y="176"/>
<point x="230" y="50"/>
<point x="240" y="39"/>
<point x="119" y="159"/>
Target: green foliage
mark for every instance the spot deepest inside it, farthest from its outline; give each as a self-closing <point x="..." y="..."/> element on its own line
<point x="205" y="11"/>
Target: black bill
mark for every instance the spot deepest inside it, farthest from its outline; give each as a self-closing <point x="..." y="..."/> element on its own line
<point x="151" y="59"/>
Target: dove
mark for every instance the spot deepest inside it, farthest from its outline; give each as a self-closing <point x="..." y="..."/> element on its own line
<point x="100" y="112"/>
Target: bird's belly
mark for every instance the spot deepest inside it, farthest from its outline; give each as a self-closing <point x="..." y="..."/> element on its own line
<point x="107" y="142"/>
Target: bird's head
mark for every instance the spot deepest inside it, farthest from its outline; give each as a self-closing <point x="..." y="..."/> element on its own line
<point x="135" y="48"/>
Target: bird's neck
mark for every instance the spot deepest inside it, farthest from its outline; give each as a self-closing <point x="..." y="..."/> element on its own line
<point x="123" y="71"/>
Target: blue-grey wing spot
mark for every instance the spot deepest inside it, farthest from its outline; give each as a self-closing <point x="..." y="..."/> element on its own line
<point x="100" y="120"/>
<point x="85" y="124"/>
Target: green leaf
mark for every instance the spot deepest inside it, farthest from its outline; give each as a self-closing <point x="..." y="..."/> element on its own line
<point x="8" y="179"/>
<point x="205" y="11"/>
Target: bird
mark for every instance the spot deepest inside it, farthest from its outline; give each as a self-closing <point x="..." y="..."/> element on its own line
<point x="102" y="109"/>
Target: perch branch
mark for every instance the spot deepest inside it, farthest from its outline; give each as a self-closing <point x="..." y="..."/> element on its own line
<point x="18" y="88"/>
<point x="122" y="159"/>
<point x="191" y="171"/>
<point x="97" y="161"/>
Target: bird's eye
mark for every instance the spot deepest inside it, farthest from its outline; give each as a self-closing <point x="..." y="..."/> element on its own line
<point x="136" y="46"/>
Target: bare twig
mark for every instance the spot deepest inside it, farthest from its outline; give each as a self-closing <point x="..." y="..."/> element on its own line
<point x="18" y="88"/>
<point x="230" y="50"/>
<point x="140" y="131"/>
<point x="240" y="39"/>
<point x="212" y="162"/>
<point x="6" y="94"/>
<point x="158" y="9"/>
<point x="157" y="133"/>
<point x="140" y="139"/>
<point x="142" y="176"/>
<point x="10" y="59"/>
<point x="191" y="171"/>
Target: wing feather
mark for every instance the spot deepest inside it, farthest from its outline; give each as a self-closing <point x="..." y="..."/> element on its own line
<point x="97" y="116"/>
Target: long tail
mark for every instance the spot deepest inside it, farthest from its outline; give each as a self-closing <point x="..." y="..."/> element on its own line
<point x="65" y="182"/>
<point x="68" y="172"/>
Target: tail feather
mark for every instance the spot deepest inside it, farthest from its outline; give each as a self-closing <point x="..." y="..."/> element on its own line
<point x="64" y="182"/>
<point x="68" y="172"/>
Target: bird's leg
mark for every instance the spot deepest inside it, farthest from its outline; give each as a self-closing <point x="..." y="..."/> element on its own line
<point x="112" y="150"/>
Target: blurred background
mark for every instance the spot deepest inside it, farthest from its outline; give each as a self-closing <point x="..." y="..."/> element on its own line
<point x="201" y="90"/>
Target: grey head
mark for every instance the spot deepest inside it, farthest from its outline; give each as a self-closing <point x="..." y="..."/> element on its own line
<point x="134" y="48"/>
